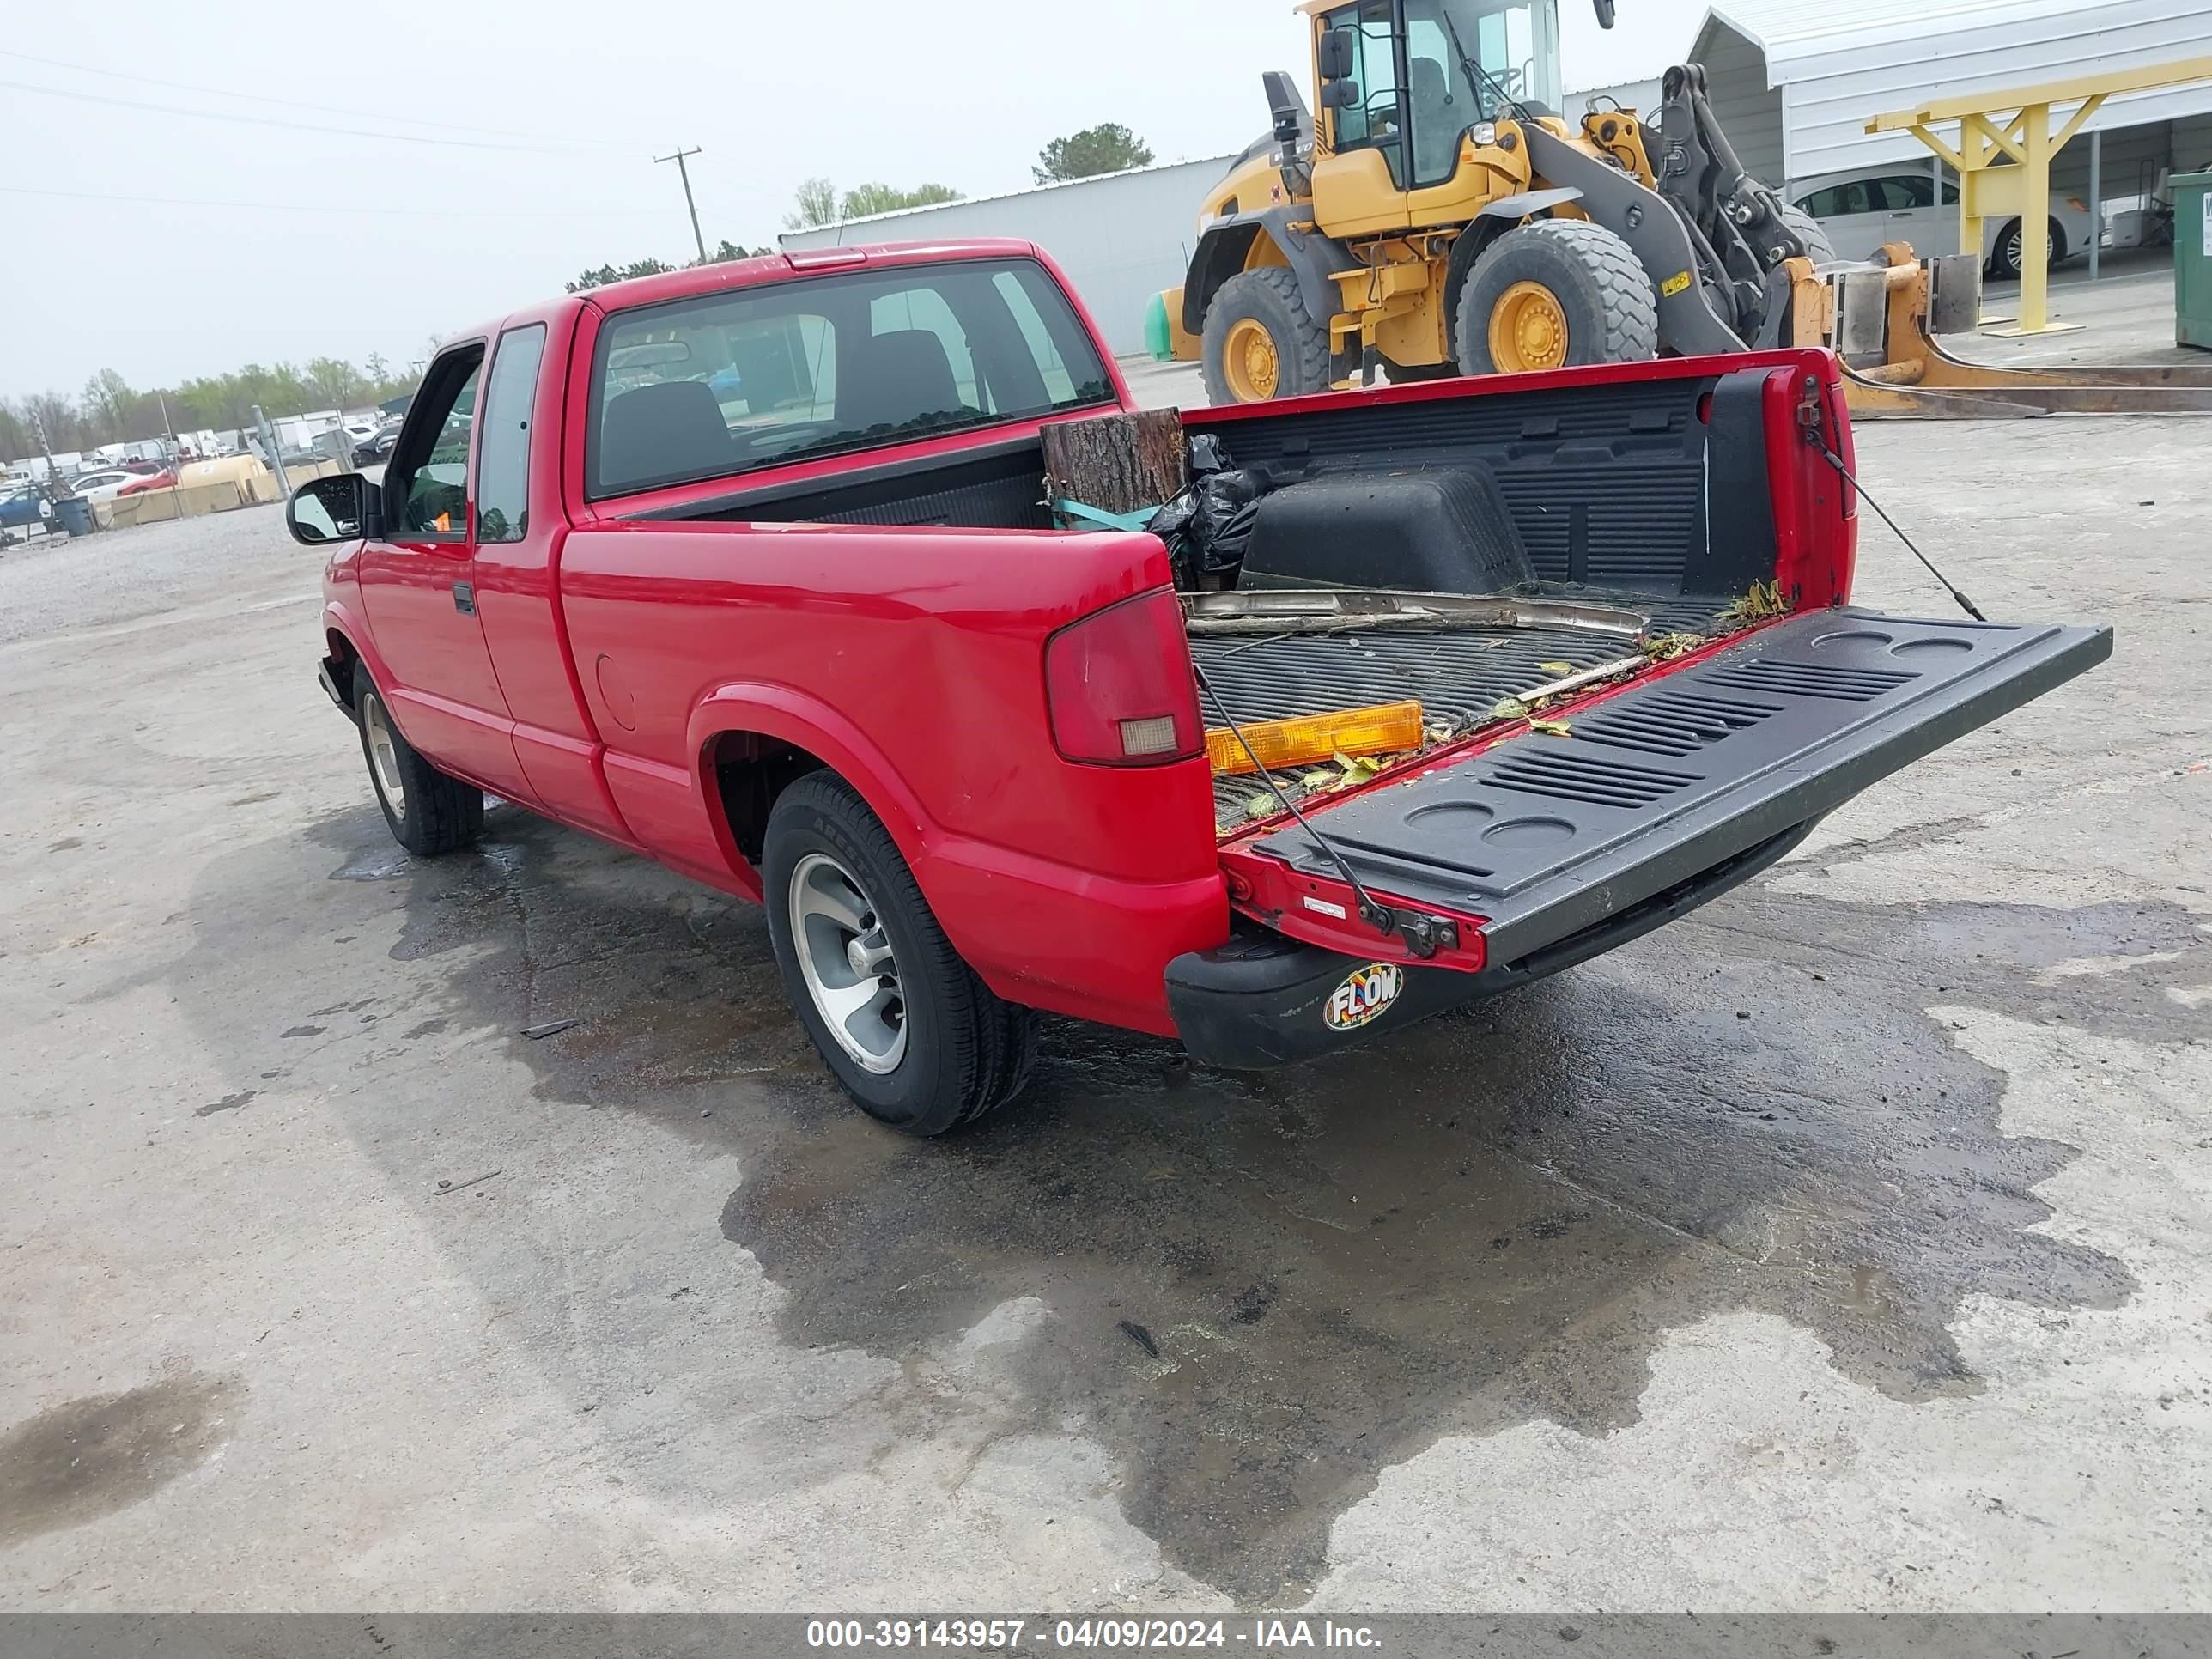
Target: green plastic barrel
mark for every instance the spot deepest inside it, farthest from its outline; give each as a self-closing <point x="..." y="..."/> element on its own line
<point x="1158" y="340"/>
<point x="2192" y="259"/>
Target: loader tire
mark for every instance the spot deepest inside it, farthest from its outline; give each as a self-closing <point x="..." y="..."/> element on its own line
<point x="1554" y="293"/>
<point x="1260" y="341"/>
<point x="1818" y="248"/>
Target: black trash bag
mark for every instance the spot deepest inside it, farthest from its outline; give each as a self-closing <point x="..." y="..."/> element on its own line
<point x="1227" y="505"/>
<point x="1207" y="527"/>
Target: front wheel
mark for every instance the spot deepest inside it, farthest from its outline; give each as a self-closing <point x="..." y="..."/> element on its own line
<point x="1811" y="232"/>
<point x="428" y="812"/>
<point x="916" y="1039"/>
<point x="1553" y="293"/>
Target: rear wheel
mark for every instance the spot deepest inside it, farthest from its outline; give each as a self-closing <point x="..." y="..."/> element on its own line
<point x="1554" y="293"/>
<point x="2006" y="262"/>
<point x="428" y="812"/>
<point x="916" y="1039"/>
<point x="1260" y="343"/>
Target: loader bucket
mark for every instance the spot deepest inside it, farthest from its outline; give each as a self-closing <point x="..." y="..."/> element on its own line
<point x="1883" y="319"/>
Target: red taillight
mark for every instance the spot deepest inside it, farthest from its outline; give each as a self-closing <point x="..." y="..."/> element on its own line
<point x="1119" y="688"/>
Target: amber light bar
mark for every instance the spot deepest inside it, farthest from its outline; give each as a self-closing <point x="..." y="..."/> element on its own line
<point x="1382" y="728"/>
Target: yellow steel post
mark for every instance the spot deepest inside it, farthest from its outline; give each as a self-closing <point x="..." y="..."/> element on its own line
<point x="1969" y="218"/>
<point x="2035" y="221"/>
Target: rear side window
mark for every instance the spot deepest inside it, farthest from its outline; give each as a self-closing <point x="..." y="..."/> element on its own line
<point x="1837" y="201"/>
<point x="724" y="383"/>
<point x="503" y="450"/>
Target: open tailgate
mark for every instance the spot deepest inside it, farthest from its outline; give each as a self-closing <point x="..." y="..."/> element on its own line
<point x="1677" y="776"/>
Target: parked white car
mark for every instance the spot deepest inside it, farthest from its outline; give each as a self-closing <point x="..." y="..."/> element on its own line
<point x="1865" y="207"/>
<point x="101" y="486"/>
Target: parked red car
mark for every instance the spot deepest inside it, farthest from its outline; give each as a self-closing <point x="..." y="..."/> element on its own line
<point x="805" y="632"/>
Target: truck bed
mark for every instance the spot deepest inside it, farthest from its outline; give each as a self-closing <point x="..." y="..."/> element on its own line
<point x="1457" y="674"/>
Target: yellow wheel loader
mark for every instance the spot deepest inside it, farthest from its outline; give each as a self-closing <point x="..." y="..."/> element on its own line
<point x="1442" y="216"/>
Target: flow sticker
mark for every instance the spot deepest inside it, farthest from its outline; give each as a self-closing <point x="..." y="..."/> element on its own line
<point x="1674" y="285"/>
<point x="1365" y="993"/>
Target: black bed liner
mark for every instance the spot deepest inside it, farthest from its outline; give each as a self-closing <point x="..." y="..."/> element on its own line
<point x="1457" y="674"/>
<point x="1547" y="835"/>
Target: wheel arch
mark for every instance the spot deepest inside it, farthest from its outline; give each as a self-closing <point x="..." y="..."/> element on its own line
<point x="346" y="638"/>
<point x="749" y="742"/>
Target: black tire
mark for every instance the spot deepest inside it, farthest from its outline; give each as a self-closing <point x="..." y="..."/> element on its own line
<point x="1818" y="248"/>
<point x="1268" y="296"/>
<point x="2004" y="264"/>
<point x="1611" y="308"/>
<point x="964" y="1050"/>
<point x="428" y="812"/>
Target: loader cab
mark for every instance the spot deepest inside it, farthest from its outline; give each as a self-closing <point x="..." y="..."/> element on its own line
<point x="1399" y="82"/>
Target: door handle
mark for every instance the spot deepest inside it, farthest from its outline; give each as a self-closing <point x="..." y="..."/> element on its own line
<point x="465" y="599"/>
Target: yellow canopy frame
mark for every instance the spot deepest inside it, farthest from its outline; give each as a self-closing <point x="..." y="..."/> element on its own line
<point x="2006" y="141"/>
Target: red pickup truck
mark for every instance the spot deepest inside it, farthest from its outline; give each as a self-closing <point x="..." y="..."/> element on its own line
<point x="751" y="568"/>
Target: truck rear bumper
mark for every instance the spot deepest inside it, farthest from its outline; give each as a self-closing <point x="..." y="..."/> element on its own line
<point x="1263" y="1000"/>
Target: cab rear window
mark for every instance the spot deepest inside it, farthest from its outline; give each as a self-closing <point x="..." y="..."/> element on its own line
<point x="724" y="383"/>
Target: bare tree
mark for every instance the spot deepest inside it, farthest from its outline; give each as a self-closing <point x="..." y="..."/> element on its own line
<point x="817" y="205"/>
<point x="53" y="409"/>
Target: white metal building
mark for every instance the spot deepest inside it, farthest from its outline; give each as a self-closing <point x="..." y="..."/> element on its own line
<point x="1795" y="81"/>
<point x="1122" y="237"/>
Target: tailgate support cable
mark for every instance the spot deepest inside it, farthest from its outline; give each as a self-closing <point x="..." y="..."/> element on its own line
<point x="1813" y="435"/>
<point x="1423" y="933"/>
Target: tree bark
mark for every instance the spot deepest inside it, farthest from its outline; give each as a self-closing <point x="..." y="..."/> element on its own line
<point x="1116" y="463"/>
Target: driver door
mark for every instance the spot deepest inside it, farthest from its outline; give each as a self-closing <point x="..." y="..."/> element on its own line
<point x="419" y="587"/>
<point x="1359" y="181"/>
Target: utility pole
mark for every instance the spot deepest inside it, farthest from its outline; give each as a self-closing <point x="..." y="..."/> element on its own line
<point x="55" y="487"/>
<point x="684" y="173"/>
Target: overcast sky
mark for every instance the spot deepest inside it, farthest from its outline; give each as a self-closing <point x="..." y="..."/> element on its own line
<point x="532" y="126"/>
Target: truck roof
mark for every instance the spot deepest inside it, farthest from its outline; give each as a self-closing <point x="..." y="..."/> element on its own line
<point x="731" y="274"/>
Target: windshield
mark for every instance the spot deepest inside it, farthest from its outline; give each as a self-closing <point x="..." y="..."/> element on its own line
<point x="1511" y="57"/>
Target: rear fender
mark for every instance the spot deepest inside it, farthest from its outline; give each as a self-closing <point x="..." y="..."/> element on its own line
<point x="790" y="716"/>
<point x="1222" y="251"/>
<point x="1231" y="245"/>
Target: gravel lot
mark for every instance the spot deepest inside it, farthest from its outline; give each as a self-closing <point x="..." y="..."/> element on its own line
<point x="1847" y="1245"/>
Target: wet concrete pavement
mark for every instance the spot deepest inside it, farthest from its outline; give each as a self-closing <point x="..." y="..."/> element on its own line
<point x="1845" y="1244"/>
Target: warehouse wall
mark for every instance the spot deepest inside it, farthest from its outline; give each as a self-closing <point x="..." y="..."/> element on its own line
<point x="1121" y="238"/>
<point x="1750" y="110"/>
<point x="1841" y="69"/>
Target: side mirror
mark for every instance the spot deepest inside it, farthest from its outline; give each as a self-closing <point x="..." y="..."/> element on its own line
<point x="1604" y="14"/>
<point x="341" y="507"/>
<point x="1340" y="95"/>
<point x="1336" y="54"/>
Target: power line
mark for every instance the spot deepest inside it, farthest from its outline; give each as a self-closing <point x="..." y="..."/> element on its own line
<point x="263" y="98"/>
<point x="346" y="207"/>
<point x="295" y="126"/>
